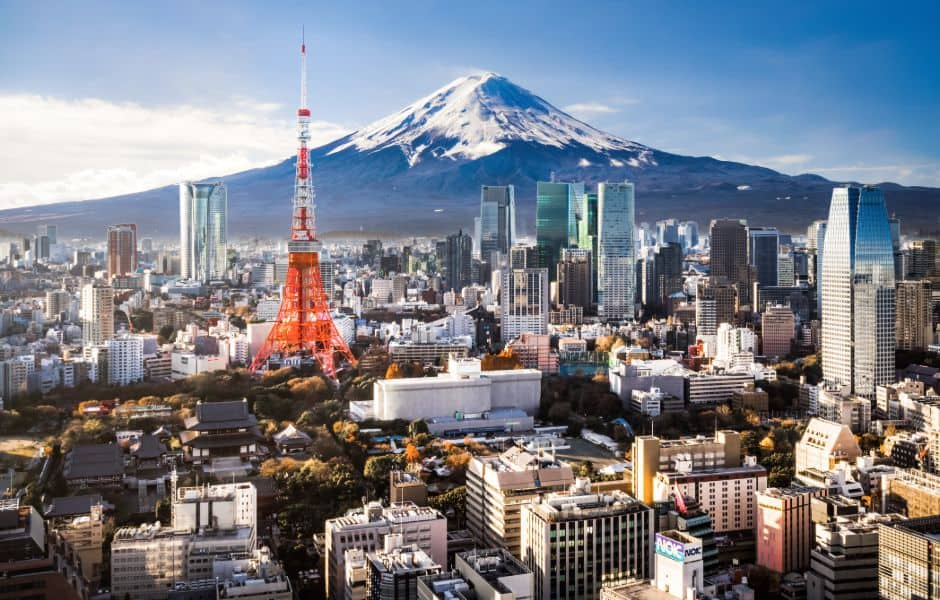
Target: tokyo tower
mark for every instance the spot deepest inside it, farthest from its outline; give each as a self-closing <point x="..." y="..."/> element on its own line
<point x="304" y="325"/>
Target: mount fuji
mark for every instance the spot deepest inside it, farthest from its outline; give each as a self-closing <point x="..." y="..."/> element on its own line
<point x="419" y="171"/>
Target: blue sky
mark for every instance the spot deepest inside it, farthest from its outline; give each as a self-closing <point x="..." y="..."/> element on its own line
<point x="146" y="93"/>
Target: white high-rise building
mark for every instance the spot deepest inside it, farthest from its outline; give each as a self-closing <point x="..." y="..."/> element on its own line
<point x="524" y="302"/>
<point x="97" y="314"/>
<point x="125" y="359"/>
<point x="616" y="277"/>
<point x="858" y="295"/>
<point x="203" y="230"/>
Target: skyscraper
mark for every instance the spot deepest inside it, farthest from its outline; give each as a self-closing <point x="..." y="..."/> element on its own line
<point x="122" y="249"/>
<point x="688" y="234"/>
<point x="715" y="303"/>
<point x="914" y="315"/>
<point x="203" y="230"/>
<point x="555" y="221"/>
<point x="763" y="251"/>
<point x="97" y="314"/>
<point x="858" y="295"/>
<point x="667" y="273"/>
<point x="524" y="302"/>
<point x="587" y="234"/>
<point x="616" y="272"/>
<point x="667" y="232"/>
<point x="575" y="278"/>
<point x="497" y="220"/>
<point x="458" y="254"/>
<point x="815" y="238"/>
<point x="728" y="256"/>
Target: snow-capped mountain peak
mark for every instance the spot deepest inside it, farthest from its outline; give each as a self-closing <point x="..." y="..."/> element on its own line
<point x="475" y="116"/>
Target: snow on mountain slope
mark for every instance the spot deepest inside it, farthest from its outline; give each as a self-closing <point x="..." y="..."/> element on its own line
<point x="476" y="116"/>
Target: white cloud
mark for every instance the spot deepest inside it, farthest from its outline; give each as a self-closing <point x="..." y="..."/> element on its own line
<point x="588" y="108"/>
<point x="57" y="150"/>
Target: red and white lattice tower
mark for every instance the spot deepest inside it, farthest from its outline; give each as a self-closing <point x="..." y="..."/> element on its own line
<point x="304" y="325"/>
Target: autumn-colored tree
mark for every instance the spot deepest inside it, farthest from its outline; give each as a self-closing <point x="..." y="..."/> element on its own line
<point x="412" y="454"/>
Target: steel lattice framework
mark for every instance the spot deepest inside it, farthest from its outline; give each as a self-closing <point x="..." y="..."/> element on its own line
<point x="304" y="325"/>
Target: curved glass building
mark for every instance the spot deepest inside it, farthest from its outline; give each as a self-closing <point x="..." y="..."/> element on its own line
<point x="203" y="230"/>
<point x="858" y="294"/>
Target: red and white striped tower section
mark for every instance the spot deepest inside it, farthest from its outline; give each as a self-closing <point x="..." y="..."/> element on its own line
<point x="304" y="326"/>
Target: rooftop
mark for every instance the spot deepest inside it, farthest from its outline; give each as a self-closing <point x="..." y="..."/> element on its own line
<point x="229" y="414"/>
<point x="94" y="460"/>
<point x="567" y="506"/>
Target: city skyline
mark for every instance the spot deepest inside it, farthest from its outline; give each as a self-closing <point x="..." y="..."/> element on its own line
<point x="709" y="111"/>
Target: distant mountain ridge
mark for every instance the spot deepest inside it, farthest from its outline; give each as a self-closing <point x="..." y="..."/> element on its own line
<point x="419" y="171"/>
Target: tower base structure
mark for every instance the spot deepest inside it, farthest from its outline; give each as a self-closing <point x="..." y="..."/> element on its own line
<point x="304" y="325"/>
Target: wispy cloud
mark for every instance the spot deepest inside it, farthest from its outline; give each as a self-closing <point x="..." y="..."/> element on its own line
<point x="588" y="109"/>
<point x="58" y="150"/>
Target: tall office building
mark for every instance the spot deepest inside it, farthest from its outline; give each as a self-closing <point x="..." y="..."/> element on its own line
<point x="908" y="565"/>
<point x="715" y="303"/>
<point x="523" y="257"/>
<point x="523" y="302"/>
<point x="914" y="310"/>
<point x="778" y="328"/>
<point x="560" y="541"/>
<point x="125" y="359"/>
<point x="458" y="260"/>
<point x="858" y="303"/>
<point x="97" y="314"/>
<point x="815" y="239"/>
<point x="764" y="247"/>
<point x="498" y="487"/>
<point x="667" y="232"/>
<point x="688" y="234"/>
<point x="575" y="281"/>
<point x="57" y="303"/>
<point x="783" y="527"/>
<point x="587" y="234"/>
<point x="203" y="230"/>
<point x="616" y="273"/>
<point x="667" y="273"/>
<point x="728" y="256"/>
<point x="122" y="249"/>
<point x="50" y="231"/>
<point x="923" y="259"/>
<point x="556" y="224"/>
<point x="786" y="269"/>
<point x="497" y="220"/>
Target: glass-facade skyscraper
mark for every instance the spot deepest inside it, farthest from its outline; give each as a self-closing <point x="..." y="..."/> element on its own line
<point x="203" y="230"/>
<point x="763" y="251"/>
<point x="497" y="220"/>
<point x="616" y="272"/>
<point x="556" y="224"/>
<point x="858" y="293"/>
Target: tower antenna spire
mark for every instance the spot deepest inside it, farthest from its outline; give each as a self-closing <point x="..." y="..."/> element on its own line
<point x="303" y="67"/>
<point x="304" y="324"/>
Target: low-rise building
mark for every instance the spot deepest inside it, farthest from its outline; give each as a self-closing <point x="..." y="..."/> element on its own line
<point x="825" y="444"/>
<point x="726" y="493"/>
<point x="844" y="559"/>
<point x="480" y="574"/>
<point x="94" y="465"/>
<point x="365" y="529"/>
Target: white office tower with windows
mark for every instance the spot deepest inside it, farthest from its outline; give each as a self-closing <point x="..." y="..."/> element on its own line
<point x="616" y="285"/>
<point x="858" y="295"/>
<point x="523" y="303"/>
<point x="203" y="230"/>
